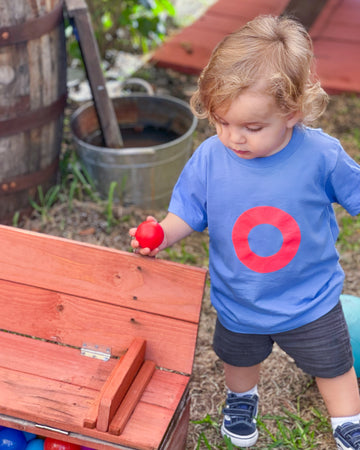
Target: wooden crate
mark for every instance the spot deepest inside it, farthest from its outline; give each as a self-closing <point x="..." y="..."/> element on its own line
<point x="64" y="306"/>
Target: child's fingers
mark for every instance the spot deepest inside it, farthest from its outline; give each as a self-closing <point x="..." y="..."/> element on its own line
<point x="146" y="251"/>
<point x="134" y="244"/>
<point x="152" y="218"/>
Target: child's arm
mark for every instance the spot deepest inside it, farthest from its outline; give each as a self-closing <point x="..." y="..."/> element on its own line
<point x="174" y="228"/>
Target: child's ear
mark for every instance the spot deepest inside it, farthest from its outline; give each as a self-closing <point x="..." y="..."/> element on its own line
<point x="293" y="118"/>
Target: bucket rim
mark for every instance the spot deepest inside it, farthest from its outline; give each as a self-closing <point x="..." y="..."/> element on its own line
<point x="134" y="150"/>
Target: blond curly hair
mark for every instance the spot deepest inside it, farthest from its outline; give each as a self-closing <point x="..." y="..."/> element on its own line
<point x="277" y="50"/>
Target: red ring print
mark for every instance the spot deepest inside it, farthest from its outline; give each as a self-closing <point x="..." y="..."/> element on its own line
<point x="266" y="215"/>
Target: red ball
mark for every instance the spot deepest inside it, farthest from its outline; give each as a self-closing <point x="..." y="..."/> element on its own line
<point x="55" y="444"/>
<point x="149" y="234"/>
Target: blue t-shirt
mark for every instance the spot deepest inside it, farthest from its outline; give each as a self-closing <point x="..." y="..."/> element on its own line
<point x="273" y="262"/>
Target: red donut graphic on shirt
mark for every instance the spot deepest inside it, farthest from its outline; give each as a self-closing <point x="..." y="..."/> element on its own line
<point x="277" y="218"/>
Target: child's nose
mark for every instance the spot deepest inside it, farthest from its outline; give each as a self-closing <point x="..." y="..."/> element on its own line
<point x="237" y="135"/>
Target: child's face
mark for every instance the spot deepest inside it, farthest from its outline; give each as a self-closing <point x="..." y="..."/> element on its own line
<point x="253" y="127"/>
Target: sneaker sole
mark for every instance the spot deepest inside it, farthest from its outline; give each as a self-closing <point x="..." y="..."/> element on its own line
<point x="246" y="441"/>
<point x="341" y="446"/>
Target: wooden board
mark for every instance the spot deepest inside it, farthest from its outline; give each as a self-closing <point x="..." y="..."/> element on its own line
<point x="103" y="274"/>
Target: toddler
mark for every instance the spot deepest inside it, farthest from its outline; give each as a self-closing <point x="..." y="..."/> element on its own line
<point x="264" y="187"/>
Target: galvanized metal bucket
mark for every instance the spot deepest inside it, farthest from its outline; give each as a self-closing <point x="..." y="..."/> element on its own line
<point x="145" y="171"/>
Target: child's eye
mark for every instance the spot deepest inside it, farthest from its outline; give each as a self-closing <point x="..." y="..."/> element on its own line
<point x="254" y="129"/>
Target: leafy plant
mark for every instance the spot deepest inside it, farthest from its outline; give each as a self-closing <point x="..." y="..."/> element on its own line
<point x="183" y="256"/>
<point x="292" y="431"/>
<point x="130" y="25"/>
<point x="76" y="180"/>
<point x="15" y="219"/>
<point x="109" y="207"/>
<point x="45" y="200"/>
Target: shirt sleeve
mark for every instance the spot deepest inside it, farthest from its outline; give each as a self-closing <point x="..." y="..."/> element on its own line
<point x="188" y="199"/>
<point x="343" y="185"/>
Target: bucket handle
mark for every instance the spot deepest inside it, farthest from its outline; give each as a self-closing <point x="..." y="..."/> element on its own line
<point x="147" y="86"/>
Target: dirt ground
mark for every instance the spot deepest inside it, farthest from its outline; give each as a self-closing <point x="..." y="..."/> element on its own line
<point x="282" y="384"/>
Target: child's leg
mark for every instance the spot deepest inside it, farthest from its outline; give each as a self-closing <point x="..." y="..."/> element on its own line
<point x="241" y="407"/>
<point x="340" y="394"/>
<point x="242" y="355"/>
<point x="241" y="379"/>
<point x="342" y="399"/>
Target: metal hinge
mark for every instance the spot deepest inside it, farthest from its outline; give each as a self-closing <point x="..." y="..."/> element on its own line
<point x="96" y="351"/>
<point x="56" y="430"/>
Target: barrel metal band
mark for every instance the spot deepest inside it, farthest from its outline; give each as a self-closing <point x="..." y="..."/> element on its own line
<point x="33" y="119"/>
<point x="32" y="29"/>
<point x="24" y="182"/>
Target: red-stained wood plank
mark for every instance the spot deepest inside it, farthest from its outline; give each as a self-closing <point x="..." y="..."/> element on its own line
<point x="102" y="274"/>
<point x="132" y="398"/>
<point x="189" y="50"/>
<point x="56" y="362"/>
<point x="43" y="400"/>
<point x="336" y="35"/>
<point x="64" y="406"/>
<point x="74" y="320"/>
<point x="212" y="21"/>
<point x="247" y="8"/>
<point x="119" y="382"/>
<point x="338" y="69"/>
<point x="323" y="18"/>
<point x="188" y="53"/>
<point x="176" y="436"/>
<point x="339" y="21"/>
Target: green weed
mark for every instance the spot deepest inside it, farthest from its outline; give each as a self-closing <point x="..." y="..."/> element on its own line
<point x="292" y="432"/>
<point x="286" y="431"/>
<point x="110" y="220"/>
<point x="76" y="180"/>
<point x="45" y="200"/>
<point x="183" y="256"/>
<point x="349" y="235"/>
<point x="15" y="219"/>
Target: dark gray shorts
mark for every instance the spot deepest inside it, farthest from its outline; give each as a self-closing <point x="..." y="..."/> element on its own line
<point x="321" y="348"/>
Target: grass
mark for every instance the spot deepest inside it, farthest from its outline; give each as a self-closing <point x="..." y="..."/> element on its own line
<point x="75" y="183"/>
<point x="349" y="235"/>
<point x="286" y="431"/>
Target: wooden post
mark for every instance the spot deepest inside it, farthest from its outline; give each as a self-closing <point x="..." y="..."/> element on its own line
<point x="78" y="11"/>
<point x="306" y="11"/>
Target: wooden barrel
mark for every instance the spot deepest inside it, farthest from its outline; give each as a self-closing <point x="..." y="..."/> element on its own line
<point x="32" y="99"/>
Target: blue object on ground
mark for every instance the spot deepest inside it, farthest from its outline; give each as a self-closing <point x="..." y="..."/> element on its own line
<point x="351" y="307"/>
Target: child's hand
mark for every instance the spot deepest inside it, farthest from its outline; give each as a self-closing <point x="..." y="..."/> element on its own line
<point x="152" y="236"/>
